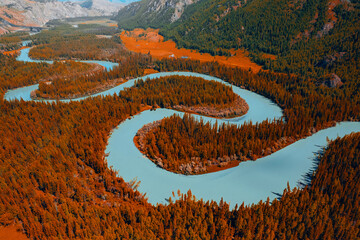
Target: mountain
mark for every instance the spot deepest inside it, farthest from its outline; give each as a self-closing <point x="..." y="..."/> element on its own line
<point x="18" y="14"/>
<point x="311" y="38"/>
<point x="152" y="13"/>
<point x="111" y="1"/>
<point x="105" y="7"/>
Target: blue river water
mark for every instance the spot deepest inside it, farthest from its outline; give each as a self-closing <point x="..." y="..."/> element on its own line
<point x="249" y="182"/>
<point x="24" y="57"/>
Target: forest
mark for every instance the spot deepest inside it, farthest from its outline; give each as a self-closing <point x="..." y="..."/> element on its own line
<point x="84" y="42"/>
<point x="65" y="42"/>
<point x="86" y="83"/>
<point x="212" y="98"/>
<point x="58" y="136"/>
<point x="55" y="182"/>
<point x="307" y="38"/>
<point x="15" y="74"/>
<point x="187" y="146"/>
<point x="12" y="41"/>
<point x="307" y="107"/>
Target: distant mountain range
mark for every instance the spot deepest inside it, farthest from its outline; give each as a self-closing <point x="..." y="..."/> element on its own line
<point x="152" y="13"/>
<point x="124" y="2"/>
<point x="18" y="14"/>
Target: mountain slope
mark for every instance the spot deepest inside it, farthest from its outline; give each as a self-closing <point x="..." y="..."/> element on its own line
<point x="105" y="7"/>
<point x="264" y="25"/>
<point x="15" y="14"/>
<point x="311" y="38"/>
<point x="152" y="13"/>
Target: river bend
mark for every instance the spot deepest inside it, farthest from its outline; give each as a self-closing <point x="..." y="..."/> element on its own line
<point x="249" y="182"/>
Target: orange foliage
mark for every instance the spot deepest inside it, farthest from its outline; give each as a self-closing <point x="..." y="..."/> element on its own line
<point x="13" y="52"/>
<point x="149" y="41"/>
<point x="86" y="83"/>
<point x="55" y="181"/>
<point x="11" y="232"/>
<point x="148" y="71"/>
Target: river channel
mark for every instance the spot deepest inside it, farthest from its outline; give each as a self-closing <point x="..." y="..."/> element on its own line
<point x="249" y="182"/>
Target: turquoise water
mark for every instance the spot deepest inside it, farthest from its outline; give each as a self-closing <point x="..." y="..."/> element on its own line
<point x="260" y="108"/>
<point x="24" y="57"/>
<point x="24" y="92"/>
<point x="249" y="182"/>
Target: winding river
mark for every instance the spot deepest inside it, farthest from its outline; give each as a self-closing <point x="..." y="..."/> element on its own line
<point x="249" y="182"/>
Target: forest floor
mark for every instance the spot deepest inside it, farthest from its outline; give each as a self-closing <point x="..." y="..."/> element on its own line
<point x="150" y="41"/>
<point x="10" y="232"/>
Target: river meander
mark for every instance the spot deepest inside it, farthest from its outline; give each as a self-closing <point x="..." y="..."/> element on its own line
<point x="249" y="182"/>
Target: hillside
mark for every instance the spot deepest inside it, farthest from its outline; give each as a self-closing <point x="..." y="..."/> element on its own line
<point x="152" y="13"/>
<point x="72" y="170"/>
<point x="310" y="38"/>
<point x="22" y="14"/>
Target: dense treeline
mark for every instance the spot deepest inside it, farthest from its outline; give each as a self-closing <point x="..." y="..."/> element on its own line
<point x="321" y="211"/>
<point x="12" y="41"/>
<point x="90" y="42"/>
<point x="288" y="91"/>
<point x="87" y="25"/>
<point x="267" y="26"/>
<point x="309" y="38"/>
<point x="56" y="183"/>
<point x="66" y="42"/>
<point x="186" y="146"/>
<point x="15" y="74"/>
<point x="54" y="157"/>
<point x="63" y="189"/>
<point x="86" y="84"/>
<point x="336" y="52"/>
<point x="174" y="90"/>
<point x="65" y="31"/>
<point x="82" y="47"/>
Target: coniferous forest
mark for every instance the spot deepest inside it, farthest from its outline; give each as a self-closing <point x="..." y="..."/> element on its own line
<point x="55" y="182"/>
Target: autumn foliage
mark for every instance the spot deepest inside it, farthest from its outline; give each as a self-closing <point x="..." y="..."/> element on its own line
<point x="185" y="145"/>
<point x="93" y="82"/>
<point x="15" y="74"/>
<point x="77" y="46"/>
<point x="208" y="97"/>
<point x="55" y="182"/>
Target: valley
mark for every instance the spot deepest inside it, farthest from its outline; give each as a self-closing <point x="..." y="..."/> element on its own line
<point x="256" y="103"/>
<point x="23" y="15"/>
<point x="181" y="120"/>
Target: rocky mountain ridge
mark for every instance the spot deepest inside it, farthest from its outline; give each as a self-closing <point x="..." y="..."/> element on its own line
<point x="105" y="7"/>
<point x="19" y="14"/>
<point x="153" y="12"/>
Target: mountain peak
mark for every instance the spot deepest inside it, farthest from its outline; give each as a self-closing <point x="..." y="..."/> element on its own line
<point x="105" y="6"/>
<point x="153" y="12"/>
<point x="18" y="14"/>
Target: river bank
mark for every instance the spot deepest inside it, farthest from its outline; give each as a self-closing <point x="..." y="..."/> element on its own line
<point x="250" y="182"/>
